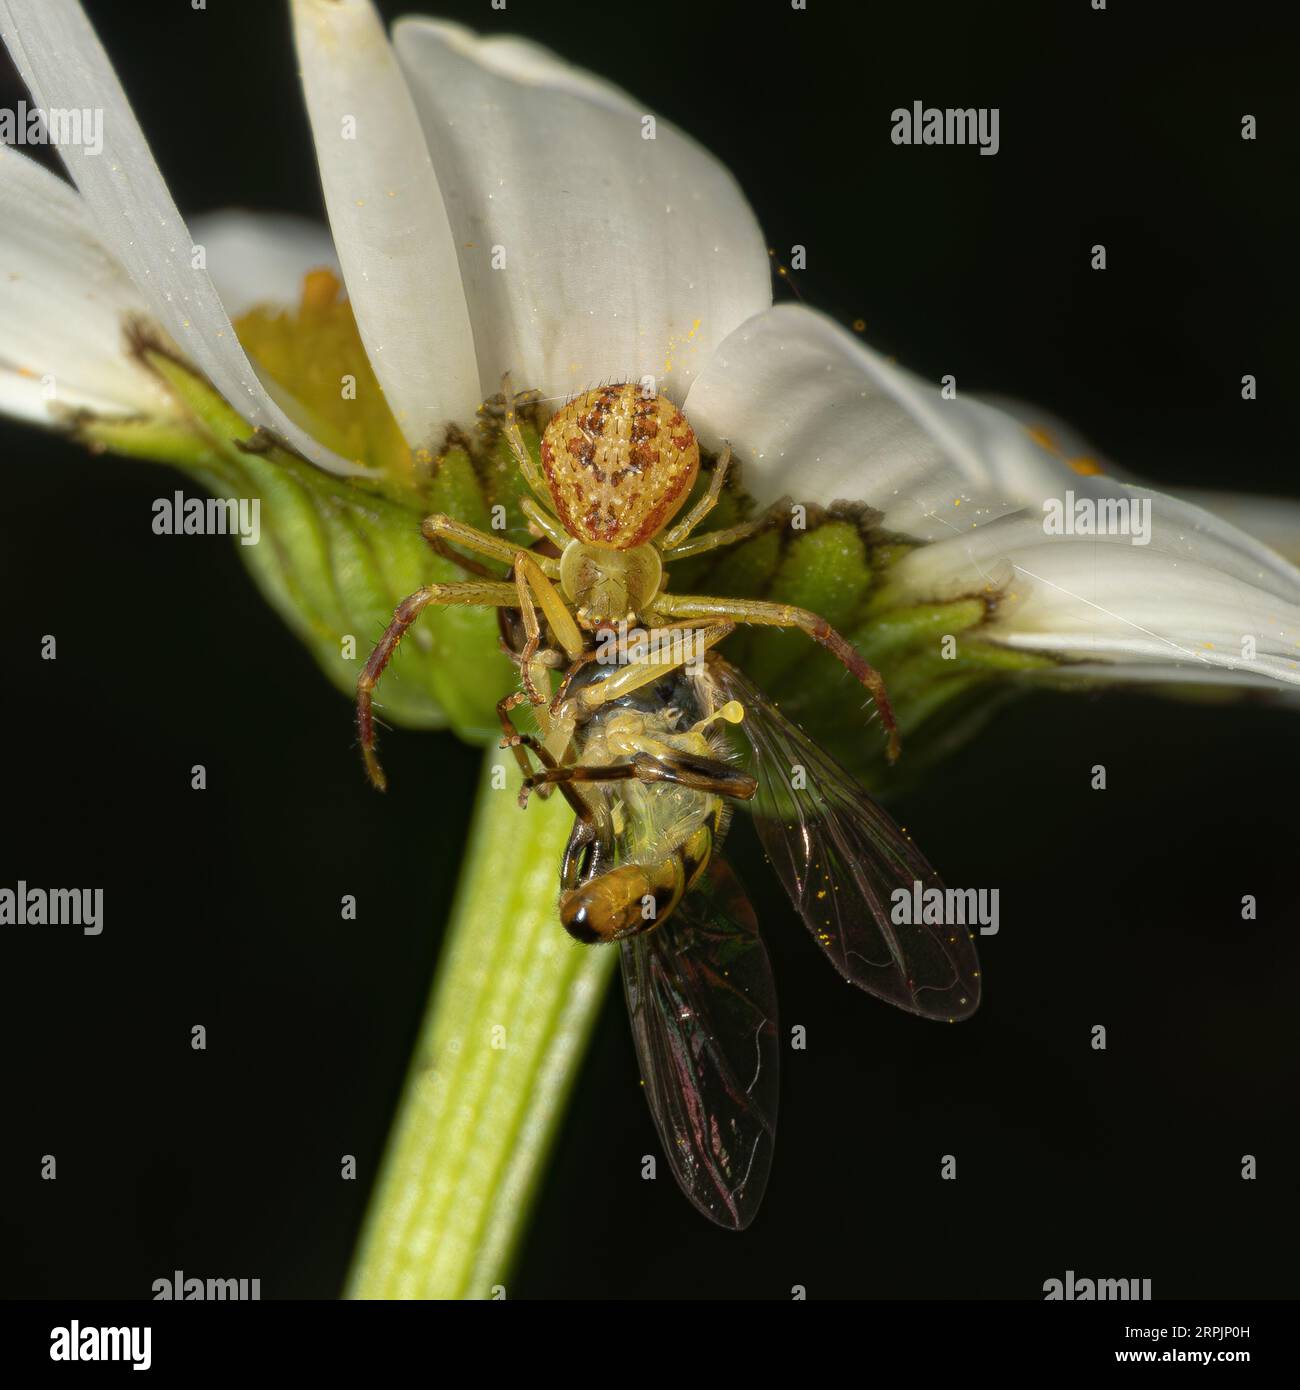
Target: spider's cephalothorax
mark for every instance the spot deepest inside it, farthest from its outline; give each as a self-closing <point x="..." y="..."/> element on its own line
<point x="618" y="464"/>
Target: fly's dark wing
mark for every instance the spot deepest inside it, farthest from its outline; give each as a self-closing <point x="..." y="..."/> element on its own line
<point x="702" y="1005"/>
<point x="841" y="858"/>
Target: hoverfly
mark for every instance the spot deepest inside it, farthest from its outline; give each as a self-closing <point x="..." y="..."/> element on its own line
<point x="651" y="742"/>
<point x="656" y="773"/>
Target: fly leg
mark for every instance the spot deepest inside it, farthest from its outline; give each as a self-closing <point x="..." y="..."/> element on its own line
<point x="710" y="775"/>
<point x="575" y="666"/>
<point x="521" y="744"/>
<point x="511" y="738"/>
<point x="564" y="777"/>
<point x="553" y="775"/>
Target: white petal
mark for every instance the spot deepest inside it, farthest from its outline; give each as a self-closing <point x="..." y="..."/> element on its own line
<point x="64" y="66"/>
<point x="621" y="257"/>
<point x="29" y="398"/>
<point x="260" y="258"/>
<point x="64" y="304"/>
<point x="1273" y="520"/>
<point x="813" y="412"/>
<point x="388" y="219"/>
<point x="1190" y="598"/>
<point x="1058" y="437"/>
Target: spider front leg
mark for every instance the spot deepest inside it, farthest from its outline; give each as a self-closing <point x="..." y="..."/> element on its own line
<point x="643" y="671"/>
<point x="759" y="613"/>
<point x="533" y="586"/>
<point x="544" y="523"/>
<point x="515" y="440"/>
<point x="484" y="593"/>
<point x="440" y="528"/>
<point x="675" y="535"/>
<point x="729" y="535"/>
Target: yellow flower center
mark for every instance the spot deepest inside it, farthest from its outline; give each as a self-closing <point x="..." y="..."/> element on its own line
<point x="315" y="353"/>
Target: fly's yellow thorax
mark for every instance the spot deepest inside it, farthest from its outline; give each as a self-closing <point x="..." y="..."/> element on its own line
<point x="619" y="465"/>
<point x="650" y="820"/>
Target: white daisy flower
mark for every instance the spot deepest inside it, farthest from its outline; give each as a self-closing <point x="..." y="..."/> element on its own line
<point x="494" y="208"/>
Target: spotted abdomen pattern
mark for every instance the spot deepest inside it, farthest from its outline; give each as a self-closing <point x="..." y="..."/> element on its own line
<point x="619" y="465"/>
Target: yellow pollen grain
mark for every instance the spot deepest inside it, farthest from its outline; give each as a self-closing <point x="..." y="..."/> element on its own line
<point x="1088" y="467"/>
<point x="674" y="343"/>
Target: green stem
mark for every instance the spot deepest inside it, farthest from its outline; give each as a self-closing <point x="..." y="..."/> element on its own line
<point x="513" y="1003"/>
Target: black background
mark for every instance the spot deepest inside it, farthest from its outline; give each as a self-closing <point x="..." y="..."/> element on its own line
<point x="1119" y="907"/>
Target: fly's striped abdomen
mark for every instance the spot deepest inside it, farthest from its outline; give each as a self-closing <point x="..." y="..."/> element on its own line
<point x="635" y="897"/>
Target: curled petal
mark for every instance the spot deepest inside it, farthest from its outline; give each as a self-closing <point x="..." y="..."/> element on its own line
<point x="64" y="305"/>
<point x="589" y="252"/>
<point x="388" y="218"/>
<point x="64" y="65"/>
<point x="1273" y="520"/>
<point x="814" y="413"/>
<point x="1199" y="595"/>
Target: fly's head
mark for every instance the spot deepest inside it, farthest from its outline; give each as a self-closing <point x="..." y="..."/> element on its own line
<point x="619" y="464"/>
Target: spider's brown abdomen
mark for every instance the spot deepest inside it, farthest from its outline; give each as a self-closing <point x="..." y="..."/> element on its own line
<point x="619" y="465"/>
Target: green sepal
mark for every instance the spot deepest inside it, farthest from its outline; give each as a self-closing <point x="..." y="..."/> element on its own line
<point x="337" y="555"/>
